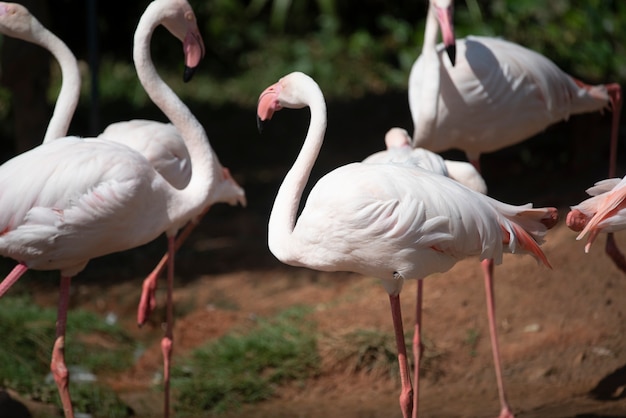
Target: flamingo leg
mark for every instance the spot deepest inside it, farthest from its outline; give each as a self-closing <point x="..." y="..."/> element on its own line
<point x="406" y="394"/>
<point x="615" y="93"/>
<point x="418" y="348"/>
<point x="57" y="365"/>
<point x="12" y="277"/>
<point x="487" y="265"/>
<point x="168" y="339"/>
<point x="614" y="252"/>
<point x="147" y="302"/>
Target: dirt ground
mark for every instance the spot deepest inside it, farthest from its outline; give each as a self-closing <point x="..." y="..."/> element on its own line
<point x="561" y="330"/>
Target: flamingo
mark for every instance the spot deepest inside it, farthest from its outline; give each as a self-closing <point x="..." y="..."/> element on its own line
<point x="399" y="150"/>
<point x="489" y="94"/>
<point x="390" y="221"/>
<point x="604" y="211"/>
<point x="161" y="143"/>
<point x="73" y="199"/>
<point x="492" y="93"/>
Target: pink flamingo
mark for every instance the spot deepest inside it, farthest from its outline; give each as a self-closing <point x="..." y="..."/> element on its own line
<point x="399" y="150"/>
<point x="491" y="94"/>
<point x="604" y="211"/>
<point x="73" y="199"/>
<point x="391" y="221"/>
<point x="160" y="143"/>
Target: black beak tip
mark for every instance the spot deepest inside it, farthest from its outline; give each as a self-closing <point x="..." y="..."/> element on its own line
<point x="188" y="74"/>
<point x="451" y="51"/>
<point x="260" y="124"/>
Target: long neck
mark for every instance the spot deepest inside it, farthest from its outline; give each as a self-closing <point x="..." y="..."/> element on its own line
<point x="190" y="201"/>
<point x="283" y="217"/>
<point x="70" y="87"/>
<point x="425" y="105"/>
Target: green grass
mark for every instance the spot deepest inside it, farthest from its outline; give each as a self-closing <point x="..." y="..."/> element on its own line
<point x="28" y="331"/>
<point x="246" y="368"/>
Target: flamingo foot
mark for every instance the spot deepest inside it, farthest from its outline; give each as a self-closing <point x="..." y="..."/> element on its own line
<point x="576" y="220"/>
<point x="147" y="303"/>
<point x="506" y="413"/>
<point x="614" y="252"/>
<point x="61" y="375"/>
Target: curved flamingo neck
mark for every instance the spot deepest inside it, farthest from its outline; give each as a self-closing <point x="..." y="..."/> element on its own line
<point x="69" y="93"/>
<point x="285" y="210"/>
<point x="190" y="201"/>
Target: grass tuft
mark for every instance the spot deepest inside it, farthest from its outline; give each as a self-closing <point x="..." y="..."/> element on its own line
<point x="28" y="332"/>
<point x="246" y="368"/>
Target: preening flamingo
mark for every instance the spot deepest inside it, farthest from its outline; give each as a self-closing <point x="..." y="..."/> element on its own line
<point x="489" y="95"/>
<point x="389" y="221"/>
<point x="495" y="94"/>
<point x="399" y="150"/>
<point x="604" y="211"/>
<point x="74" y="199"/>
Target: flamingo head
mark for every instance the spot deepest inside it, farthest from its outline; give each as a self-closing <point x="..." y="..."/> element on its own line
<point x="17" y="22"/>
<point x="287" y="92"/>
<point x="180" y="21"/>
<point x="444" y="10"/>
<point x="397" y="138"/>
<point x="229" y="191"/>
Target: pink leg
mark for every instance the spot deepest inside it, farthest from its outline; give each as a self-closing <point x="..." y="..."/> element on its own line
<point x="147" y="302"/>
<point x="406" y="394"/>
<point x="487" y="265"/>
<point x="613" y="251"/>
<point x="10" y="280"/>
<point x="167" y="341"/>
<point x="615" y="93"/>
<point x="57" y="365"/>
<point x="418" y="349"/>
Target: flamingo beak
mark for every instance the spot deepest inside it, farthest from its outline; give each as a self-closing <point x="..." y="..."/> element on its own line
<point x="194" y="52"/>
<point x="445" y="17"/>
<point x="268" y="104"/>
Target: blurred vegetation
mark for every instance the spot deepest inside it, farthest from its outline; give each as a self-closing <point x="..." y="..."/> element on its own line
<point x="27" y="338"/>
<point x="350" y="47"/>
<point x="246" y="367"/>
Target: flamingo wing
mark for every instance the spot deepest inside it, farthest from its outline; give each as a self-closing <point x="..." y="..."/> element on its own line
<point x="84" y="198"/>
<point x="160" y="143"/>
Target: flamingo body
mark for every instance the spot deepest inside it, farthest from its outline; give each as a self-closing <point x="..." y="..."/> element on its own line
<point x="402" y="222"/>
<point x="497" y="94"/>
<point x="95" y="204"/>
<point x="399" y="151"/>
<point x="160" y="143"/>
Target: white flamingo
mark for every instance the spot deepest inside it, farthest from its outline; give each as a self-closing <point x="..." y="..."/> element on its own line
<point x="399" y="150"/>
<point x="72" y="199"/>
<point x="389" y="221"/>
<point x="495" y="94"/>
<point x="160" y="143"/>
<point x="487" y="95"/>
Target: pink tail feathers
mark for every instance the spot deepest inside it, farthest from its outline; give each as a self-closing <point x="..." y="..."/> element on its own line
<point x="528" y="244"/>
